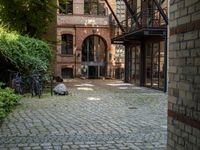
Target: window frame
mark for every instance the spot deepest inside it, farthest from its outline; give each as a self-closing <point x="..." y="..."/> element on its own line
<point x="67" y="44"/>
<point x="66" y="7"/>
<point x="92" y="5"/>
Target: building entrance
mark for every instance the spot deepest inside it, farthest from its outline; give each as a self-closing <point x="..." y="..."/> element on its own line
<point x="94" y="56"/>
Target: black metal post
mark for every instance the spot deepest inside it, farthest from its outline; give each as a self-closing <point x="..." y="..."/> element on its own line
<point x="142" y="63"/>
<point x="165" y="71"/>
<point x="51" y="85"/>
<point x="126" y="71"/>
<point x="75" y="65"/>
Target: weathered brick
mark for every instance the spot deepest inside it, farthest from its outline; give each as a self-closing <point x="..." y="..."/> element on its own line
<point x="172" y="54"/>
<point x="179" y="147"/>
<point x="173" y="69"/>
<point x="198" y="141"/>
<point x="190" y="44"/>
<point x="192" y="139"/>
<point x="183" y="12"/>
<point x="193" y="35"/>
<point x="181" y="141"/>
<point x="189" y="61"/>
<point x="197" y="43"/>
<point x="184" y="86"/>
<point x="195" y="16"/>
<point x="197" y="79"/>
<point x="185" y="135"/>
<point x="173" y="23"/>
<point x="191" y="9"/>
<point x="195" y="52"/>
<point x="183" y="45"/>
<point x="173" y="38"/>
<point x="171" y="142"/>
<point x="190" y="2"/>
<point x="197" y="61"/>
<point x="173" y="7"/>
<point x="172" y="99"/>
<point x="183" y="20"/>
<point x="183" y="53"/>
<point x="188" y="129"/>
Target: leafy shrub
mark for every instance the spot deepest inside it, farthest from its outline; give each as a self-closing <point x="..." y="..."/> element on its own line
<point x="7" y="100"/>
<point x="25" y="53"/>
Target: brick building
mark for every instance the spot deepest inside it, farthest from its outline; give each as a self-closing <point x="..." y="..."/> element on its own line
<point x="83" y="40"/>
<point x="184" y="76"/>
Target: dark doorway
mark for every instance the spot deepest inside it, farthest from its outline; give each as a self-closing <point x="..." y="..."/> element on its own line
<point x="93" y="72"/>
<point x="67" y="73"/>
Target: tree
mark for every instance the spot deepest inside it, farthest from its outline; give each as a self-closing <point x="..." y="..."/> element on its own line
<point x="28" y="16"/>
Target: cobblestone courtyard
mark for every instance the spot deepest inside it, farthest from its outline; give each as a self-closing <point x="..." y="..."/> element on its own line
<point x="97" y="114"/>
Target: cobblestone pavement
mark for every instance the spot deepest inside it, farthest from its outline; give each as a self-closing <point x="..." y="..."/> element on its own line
<point x="98" y="114"/>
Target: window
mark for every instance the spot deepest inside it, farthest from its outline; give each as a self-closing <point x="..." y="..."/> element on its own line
<point x="62" y="7"/>
<point x="66" y="7"/>
<point x="93" y="49"/>
<point x="93" y="7"/>
<point x="67" y="73"/>
<point x="67" y="44"/>
<point x="69" y="7"/>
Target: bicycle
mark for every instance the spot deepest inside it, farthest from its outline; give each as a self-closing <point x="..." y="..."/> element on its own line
<point x="17" y="84"/>
<point x="36" y="85"/>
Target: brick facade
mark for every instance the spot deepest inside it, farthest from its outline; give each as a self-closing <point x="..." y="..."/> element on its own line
<point x="81" y="26"/>
<point x="184" y="76"/>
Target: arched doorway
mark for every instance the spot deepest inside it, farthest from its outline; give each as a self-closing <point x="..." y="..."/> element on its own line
<point x="94" y="56"/>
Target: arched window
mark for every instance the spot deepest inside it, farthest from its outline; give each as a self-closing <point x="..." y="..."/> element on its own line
<point x="67" y="44"/>
<point x="66" y="7"/>
<point x="94" y="49"/>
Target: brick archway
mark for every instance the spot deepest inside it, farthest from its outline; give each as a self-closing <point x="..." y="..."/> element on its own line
<point x="83" y="33"/>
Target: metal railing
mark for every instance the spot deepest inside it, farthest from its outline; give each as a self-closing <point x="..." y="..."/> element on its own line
<point x="149" y="18"/>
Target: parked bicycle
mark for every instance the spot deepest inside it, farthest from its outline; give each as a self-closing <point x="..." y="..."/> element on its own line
<point x="17" y="83"/>
<point x="36" y="84"/>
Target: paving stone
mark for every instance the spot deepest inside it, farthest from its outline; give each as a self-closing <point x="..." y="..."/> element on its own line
<point x="110" y="115"/>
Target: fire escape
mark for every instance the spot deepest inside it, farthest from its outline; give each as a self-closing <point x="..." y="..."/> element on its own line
<point x="148" y="21"/>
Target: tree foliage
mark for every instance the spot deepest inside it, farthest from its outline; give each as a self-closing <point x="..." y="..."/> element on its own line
<point x="27" y="16"/>
<point x="25" y="53"/>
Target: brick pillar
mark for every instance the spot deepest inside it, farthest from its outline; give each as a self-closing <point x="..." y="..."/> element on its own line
<point x="184" y="76"/>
